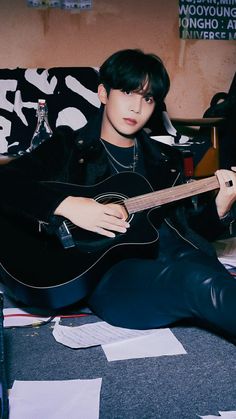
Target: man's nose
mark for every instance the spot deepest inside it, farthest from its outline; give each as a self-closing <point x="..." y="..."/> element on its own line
<point x="136" y="105"/>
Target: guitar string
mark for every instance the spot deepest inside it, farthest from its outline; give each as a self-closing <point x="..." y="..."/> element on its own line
<point x="193" y="188"/>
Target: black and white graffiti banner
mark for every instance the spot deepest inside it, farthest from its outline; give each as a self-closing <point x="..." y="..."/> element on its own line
<point x="70" y="94"/>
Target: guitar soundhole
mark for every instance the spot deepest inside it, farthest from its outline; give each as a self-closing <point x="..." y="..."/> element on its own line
<point x="92" y="242"/>
<point x="110" y="198"/>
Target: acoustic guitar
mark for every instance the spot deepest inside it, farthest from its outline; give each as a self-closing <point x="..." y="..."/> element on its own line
<point x="38" y="270"/>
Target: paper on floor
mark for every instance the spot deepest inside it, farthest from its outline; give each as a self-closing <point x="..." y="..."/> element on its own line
<point x="226" y="251"/>
<point x="73" y="399"/>
<point x="231" y="414"/>
<point x="93" y="334"/>
<point x="119" y="343"/>
<point x="161" y="342"/>
<point x="18" y="317"/>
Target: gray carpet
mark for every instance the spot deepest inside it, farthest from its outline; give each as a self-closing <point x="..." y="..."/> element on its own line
<point x="202" y="382"/>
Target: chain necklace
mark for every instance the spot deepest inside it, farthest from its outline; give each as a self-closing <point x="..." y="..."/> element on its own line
<point x="112" y="159"/>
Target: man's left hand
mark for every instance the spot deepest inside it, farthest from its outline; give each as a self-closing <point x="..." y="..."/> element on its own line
<point x="227" y="193"/>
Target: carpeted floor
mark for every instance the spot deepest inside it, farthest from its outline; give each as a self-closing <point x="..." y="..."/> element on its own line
<point x="199" y="383"/>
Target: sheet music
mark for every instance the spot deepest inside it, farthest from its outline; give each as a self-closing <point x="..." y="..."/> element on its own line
<point x="93" y="334"/>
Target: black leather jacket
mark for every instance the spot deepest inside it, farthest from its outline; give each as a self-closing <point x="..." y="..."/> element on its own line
<point x="79" y="157"/>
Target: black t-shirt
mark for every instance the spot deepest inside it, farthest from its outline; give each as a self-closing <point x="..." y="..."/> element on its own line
<point x="122" y="158"/>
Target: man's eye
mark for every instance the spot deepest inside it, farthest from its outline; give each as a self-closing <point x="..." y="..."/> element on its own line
<point x="127" y="92"/>
<point x="149" y="99"/>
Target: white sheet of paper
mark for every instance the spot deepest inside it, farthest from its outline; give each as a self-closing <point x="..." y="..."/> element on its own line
<point x="231" y="414"/>
<point x="93" y="334"/>
<point x="160" y="342"/>
<point x="73" y="399"/>
<point x="226" y="251"/>
<point x="18" y="317"/>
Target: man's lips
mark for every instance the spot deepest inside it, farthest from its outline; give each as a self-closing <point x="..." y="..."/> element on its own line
<point x="130" y="121"/>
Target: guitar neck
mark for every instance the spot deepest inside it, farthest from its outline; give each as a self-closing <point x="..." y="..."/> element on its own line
<point x="176" y="193"/>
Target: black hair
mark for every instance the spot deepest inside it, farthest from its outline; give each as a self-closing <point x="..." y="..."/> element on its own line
<point x="130" y="70"/>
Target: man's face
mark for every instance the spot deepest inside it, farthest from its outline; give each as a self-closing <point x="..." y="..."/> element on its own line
<point x="125" y="113"/>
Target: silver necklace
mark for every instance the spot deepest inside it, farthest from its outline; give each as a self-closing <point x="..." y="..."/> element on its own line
<point x="112" y="159"/>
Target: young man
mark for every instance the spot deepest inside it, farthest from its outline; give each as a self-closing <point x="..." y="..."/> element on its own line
<point x="183" y="279"/>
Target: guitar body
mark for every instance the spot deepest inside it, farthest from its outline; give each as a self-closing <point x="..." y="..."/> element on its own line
<point x="38" y="271"/>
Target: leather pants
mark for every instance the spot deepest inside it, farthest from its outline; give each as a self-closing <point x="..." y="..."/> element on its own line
<point x="181" y="283"/>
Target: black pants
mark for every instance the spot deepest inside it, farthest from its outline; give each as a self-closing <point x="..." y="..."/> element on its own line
<point x="181" y="283"/>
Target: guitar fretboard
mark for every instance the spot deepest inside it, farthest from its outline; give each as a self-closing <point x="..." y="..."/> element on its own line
<point x="175" y="193"/>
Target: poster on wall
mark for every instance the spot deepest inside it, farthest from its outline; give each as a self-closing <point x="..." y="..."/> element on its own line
<point x="63" y="4"/>
<point x="207" y="19"/>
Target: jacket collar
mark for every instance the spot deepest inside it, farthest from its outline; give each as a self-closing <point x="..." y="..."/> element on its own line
<point x="90" y="133"/>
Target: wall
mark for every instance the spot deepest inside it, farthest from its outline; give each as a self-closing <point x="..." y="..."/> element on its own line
<point x="46" y="38"/>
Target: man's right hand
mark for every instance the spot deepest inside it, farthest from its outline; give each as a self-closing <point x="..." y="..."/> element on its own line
<point x="91" y="215"/>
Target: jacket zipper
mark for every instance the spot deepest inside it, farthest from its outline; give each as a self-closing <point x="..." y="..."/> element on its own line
<point x="231" y="227"/>
<point x="41" y="223"/>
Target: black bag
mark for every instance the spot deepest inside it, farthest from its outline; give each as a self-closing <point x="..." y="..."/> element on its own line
<point x="223" y="105"/>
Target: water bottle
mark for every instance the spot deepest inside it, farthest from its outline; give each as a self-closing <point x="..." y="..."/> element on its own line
<point x="43" y="130"/>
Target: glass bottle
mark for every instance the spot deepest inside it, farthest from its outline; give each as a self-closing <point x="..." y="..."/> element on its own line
<point x="43" y="130"/>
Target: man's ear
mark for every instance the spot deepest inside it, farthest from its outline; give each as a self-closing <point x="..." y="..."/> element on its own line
<point x="102" y="94"/>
